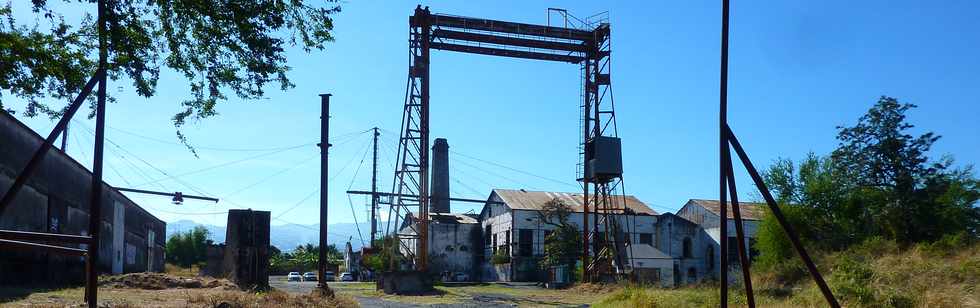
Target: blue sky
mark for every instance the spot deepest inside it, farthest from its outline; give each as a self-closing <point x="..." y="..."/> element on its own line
<point x="798" y="70"/>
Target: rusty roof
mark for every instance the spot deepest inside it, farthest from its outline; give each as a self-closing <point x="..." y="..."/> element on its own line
<point x="749" y="210"/>
<point x="535" y="200"/>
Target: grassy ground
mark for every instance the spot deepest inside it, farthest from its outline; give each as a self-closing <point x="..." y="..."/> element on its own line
<point x="878" y="274"/>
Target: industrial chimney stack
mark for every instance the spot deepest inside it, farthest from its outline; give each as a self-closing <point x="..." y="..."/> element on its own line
<point x="439" y="202"/>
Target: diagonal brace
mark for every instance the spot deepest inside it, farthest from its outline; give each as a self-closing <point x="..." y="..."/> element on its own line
<point x="790" y="232"/>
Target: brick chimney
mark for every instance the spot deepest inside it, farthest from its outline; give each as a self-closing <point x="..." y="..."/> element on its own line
<point x="439" y="200"/>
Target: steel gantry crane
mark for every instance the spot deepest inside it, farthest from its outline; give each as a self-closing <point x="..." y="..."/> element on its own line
<point x="600" y="168"/>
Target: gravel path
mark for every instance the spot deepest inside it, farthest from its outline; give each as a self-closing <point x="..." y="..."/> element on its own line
<point x="477" y="300"/>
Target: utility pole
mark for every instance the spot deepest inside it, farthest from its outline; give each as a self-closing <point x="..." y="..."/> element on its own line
<point x="95" y="207"/>
<point x="324" y="149"/>
<point x="374" y="189"/>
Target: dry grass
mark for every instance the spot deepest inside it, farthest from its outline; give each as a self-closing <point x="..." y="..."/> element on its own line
<point x="234" y="299"/>
<point x="877" y="275"/>
<point x="178" y="271"/>
<point x="164" y="290"/>
<point x="179" y="298"/>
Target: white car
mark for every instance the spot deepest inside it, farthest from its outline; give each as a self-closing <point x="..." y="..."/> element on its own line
<point x="309" y="276"/>
<point x="294" y="276"/>
<point x="346" y="277"/>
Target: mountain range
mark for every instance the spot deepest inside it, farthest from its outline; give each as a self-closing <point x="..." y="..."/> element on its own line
<point x="287" y="237"/>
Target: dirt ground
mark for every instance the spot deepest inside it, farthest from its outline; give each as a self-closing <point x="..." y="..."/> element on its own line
<point x="482" y="295"/>
<point x="162" y="290"/>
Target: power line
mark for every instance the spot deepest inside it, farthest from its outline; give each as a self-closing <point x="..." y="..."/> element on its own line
<point x="515" y="170"/>
<point x="174" y="177"/>
<point x="226" y="149"/>
<point x="307" y="197"/>
<point x="246" y="187"/>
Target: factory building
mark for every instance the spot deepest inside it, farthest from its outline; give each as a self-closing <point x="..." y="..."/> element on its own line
<point x="661" y="248"/>
<point x="56" y="200"/>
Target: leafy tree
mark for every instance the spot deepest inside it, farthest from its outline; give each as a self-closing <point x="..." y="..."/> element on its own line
<point x="188" y="248"/>
<point x="879" y="182"/>
<point x="381" y="261"/>
<point x="216" y="45"/>
<point x="905" y="194"/>
<point x="562" y="245"/>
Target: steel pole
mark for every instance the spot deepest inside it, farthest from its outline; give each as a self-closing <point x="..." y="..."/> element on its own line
<point x="324" y="151"/>
<point x="723" y="152"/>
<point x="374" y="189"/>
<point x="95" y="207"/>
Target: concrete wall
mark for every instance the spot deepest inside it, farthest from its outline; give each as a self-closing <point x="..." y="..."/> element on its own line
<point x="453" y="248"/>
<point x="507" y="224"/>
<point x="246" y="259"/>
<point x="56" y="199"/>
<point x="673" y="234"/>
<point x="709" y="240"/>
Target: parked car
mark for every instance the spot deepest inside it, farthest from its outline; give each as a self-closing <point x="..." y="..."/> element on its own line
<point x="309" y="276"/>
<point x="346" y="276"/>
<point x="328" y="276"/>
<point x="294" y="276"/>
<point x="461" y="277"/>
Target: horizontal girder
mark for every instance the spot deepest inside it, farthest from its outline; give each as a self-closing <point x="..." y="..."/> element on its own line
<point x="507" y="40"/>
<point x="506" y="27"/>
<point x="507" y="52"/>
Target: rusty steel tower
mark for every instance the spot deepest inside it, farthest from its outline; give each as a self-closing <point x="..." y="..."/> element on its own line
<point x="600" y="167"/>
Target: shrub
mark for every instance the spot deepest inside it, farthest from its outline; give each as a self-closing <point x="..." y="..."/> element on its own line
<point x="851" y="278"/>
<point x="774" y="246"/>
<point x="948" y="244"/>
<point x="500" y="257"/>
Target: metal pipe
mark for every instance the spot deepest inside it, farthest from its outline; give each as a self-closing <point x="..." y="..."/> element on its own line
<point x="723" y="151"/>
<point x="739" y="232"/>
<point x="159" y="193"/>
<point x="790" y="232"/>
<point x="374" y="189"/>
<point x="44" y="237"/>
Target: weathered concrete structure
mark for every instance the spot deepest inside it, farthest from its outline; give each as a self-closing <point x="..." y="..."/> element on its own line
<point x="665" y="249"/>
<point x="246" y="259"/>
<point x="706" y="215"/>
<point x="56" y="200"/>
<point x="454" y="241"/>
<point x="511" y="220"/>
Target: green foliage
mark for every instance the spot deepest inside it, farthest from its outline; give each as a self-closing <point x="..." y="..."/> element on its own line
<point x="189" y="248"/>
<point x="774" y="246"/>
<point x="949" y="244"/>
<point x="302" y="259"/>
<point x="851" y="279"/>
<point x="879" y="183"/>
<point x="562" y="246"/>
<point x="215" y="45"/>
<point x="502" y="256"/>
<point x="382" y="260"/>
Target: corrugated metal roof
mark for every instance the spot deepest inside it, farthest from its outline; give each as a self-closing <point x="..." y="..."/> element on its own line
<point x="535" y="200"/>
<point x="749" y="210"/>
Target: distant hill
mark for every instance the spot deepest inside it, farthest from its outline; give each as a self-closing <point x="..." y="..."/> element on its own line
<point x="286" y="237"/>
